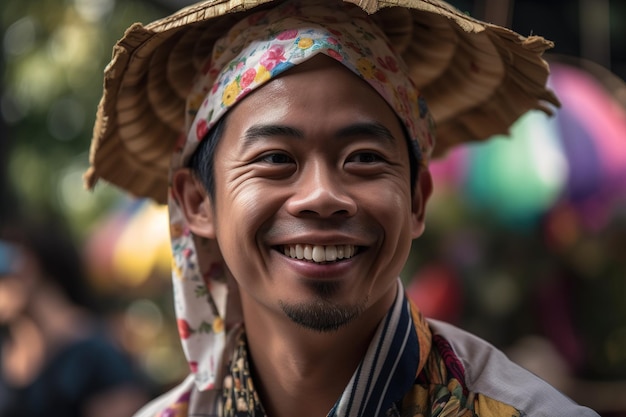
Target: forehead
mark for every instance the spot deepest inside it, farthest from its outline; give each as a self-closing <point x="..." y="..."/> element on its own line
<point x="317" y="95"/>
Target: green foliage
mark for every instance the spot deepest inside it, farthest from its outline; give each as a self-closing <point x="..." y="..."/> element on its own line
<point x="54" y="53"/>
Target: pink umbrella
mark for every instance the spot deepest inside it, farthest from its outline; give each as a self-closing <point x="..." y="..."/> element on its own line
<point x="592" y="127"/>
<point x="589" y="132"/>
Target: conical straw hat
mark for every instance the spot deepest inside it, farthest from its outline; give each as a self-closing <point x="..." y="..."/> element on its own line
<point x="477" y="78"/>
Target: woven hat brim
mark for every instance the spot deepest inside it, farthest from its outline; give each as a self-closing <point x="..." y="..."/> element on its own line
<point x="477" y="79"/>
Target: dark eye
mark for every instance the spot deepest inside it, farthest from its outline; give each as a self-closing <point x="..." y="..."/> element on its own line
<point x="365" y="157"/>
<point x="276" y="158"/>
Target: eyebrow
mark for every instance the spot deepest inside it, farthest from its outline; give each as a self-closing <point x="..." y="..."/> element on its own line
<point x="257" y="132"/>
<point x="369" y="129"/>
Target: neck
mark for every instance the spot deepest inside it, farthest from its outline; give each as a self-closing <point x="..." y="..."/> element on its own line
<point x="290" y="362"/>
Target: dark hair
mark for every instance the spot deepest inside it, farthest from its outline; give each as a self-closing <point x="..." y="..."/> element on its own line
<point x="415" y="157"/>
<point x="54" y="249"/>
<point x="202" y="160"/>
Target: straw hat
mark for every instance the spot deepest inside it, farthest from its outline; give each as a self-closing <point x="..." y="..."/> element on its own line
<point x="477" y="78"/>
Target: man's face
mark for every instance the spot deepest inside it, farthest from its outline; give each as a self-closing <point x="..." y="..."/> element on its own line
<point x="313" y="208"/>
<point x="18" y="280"/>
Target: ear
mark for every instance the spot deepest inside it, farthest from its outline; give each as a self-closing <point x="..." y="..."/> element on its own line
<point x="195" y="203"/>
<point x="421" y="194"/>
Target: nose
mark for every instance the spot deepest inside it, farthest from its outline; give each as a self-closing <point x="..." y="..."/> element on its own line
<point x="320" y="192"/>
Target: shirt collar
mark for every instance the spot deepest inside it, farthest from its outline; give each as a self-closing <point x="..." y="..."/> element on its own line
<point x="394" y="358"/>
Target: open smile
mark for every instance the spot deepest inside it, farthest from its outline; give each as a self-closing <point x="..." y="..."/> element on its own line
<point x="319" y="253"/>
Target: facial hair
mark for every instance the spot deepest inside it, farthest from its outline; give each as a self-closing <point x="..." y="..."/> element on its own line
<point x="322" y="314"/>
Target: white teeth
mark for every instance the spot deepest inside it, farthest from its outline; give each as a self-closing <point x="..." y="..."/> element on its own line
<point x="318" y="253"/>
<point x="331" y="253"/>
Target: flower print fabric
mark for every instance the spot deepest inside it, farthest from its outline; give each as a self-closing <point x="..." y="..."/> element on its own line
<point x="268" y="43"/>
<point x="410" y="379"/>
<point x="255" y="50"/>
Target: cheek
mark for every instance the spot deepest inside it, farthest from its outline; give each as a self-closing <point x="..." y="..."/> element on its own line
<point x="242" y="212"/>
<point x="391" y="209"/>
<point x="391" y="204"/>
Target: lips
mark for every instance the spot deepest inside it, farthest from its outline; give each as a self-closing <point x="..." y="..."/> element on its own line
<point x="319" y="253"/>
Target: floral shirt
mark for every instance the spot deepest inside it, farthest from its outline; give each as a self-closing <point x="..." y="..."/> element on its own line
<point x="413" y="368"/>
<point x="437" y="390"/>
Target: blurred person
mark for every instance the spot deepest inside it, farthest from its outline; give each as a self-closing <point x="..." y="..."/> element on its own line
<point x="56" y="356"/>
<point x="291" y="142"/>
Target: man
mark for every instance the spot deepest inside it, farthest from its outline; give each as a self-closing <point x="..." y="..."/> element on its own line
<point x="56" y="357"/>
<point x="295" y="190"/>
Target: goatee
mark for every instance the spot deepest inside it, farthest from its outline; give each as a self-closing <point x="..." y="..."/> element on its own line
<point x="322" y="314"/>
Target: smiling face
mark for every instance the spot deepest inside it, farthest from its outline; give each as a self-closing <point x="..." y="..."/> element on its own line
<point x="313" y="209"/>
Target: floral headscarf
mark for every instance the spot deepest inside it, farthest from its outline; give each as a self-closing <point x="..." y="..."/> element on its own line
<point x="255" y="50"/>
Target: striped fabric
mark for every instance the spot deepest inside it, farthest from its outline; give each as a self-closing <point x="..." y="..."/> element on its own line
<point x="389" y="367"/>
<point x="413" y="368"/>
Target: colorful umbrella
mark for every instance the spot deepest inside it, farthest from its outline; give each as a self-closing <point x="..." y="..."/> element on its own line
<point x="130" y="246"/>
<point x="578" y="157"/>
<point x="592" y="127"/>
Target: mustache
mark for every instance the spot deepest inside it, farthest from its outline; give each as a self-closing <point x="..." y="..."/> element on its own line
<point x="350" y="227"/>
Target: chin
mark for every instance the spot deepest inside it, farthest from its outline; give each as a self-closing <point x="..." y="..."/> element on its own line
<point x="322" y="314"/>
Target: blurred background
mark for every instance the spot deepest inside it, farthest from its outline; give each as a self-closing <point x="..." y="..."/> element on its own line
<point x="526" y="235"/>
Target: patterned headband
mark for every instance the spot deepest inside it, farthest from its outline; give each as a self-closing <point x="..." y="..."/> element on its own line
<point x="268" y="43"/>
